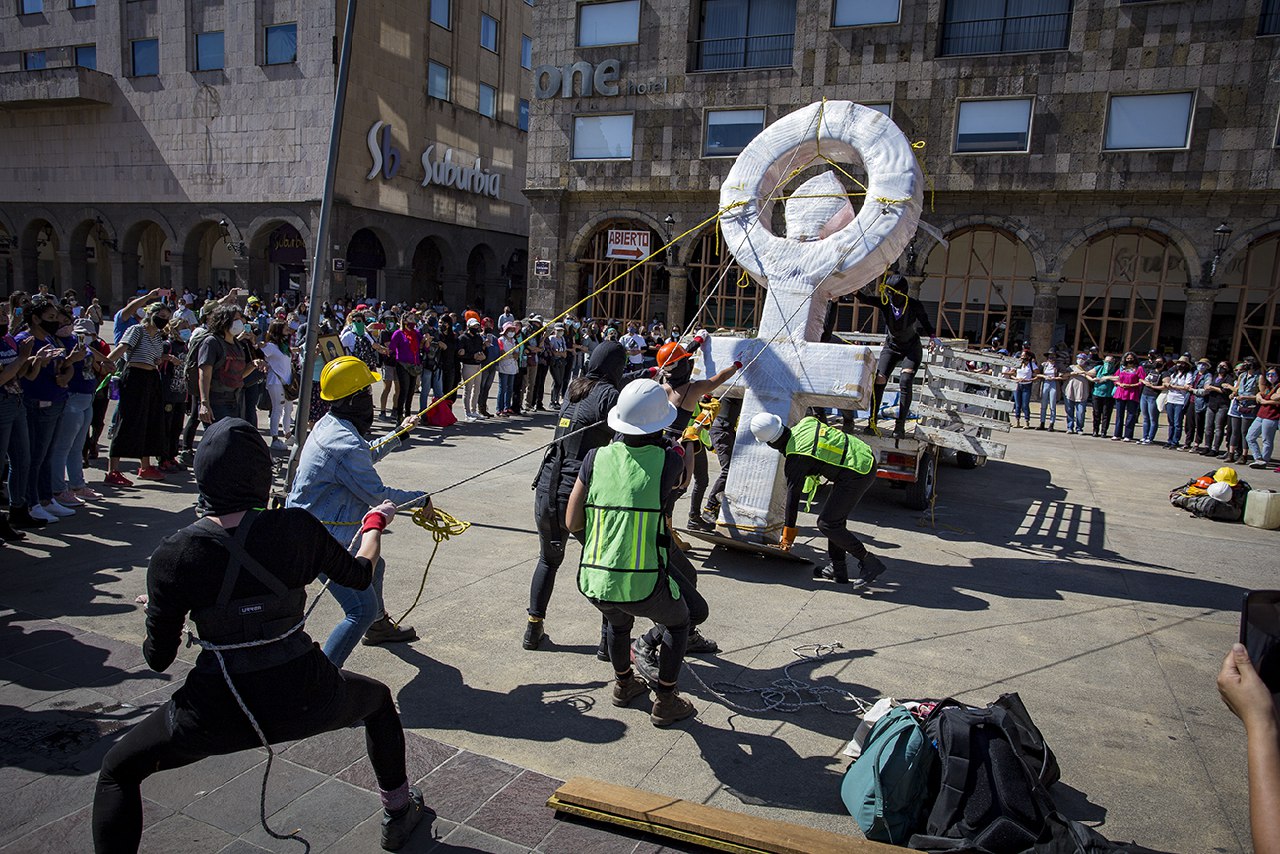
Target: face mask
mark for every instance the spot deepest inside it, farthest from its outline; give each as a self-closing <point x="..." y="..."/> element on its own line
<point x="184" y="334"/>
<point x="17" y="312"/>
<point x="237" y="326"/>
<point x="161" y="321"/>
<point x="358" y="409"/>
<point x="1201" y="369"/>
<point x="359" y="327"/>
<point x="50" y="326"/>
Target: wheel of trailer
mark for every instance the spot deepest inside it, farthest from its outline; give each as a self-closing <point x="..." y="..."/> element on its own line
<point x="920" y="493"/>
<point x="966" y="460"/>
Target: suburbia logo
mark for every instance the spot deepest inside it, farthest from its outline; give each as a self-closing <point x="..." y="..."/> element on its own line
<point x="442" y="172"/>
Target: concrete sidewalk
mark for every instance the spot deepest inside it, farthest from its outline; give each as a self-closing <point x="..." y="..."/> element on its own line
<point x="1061" y="573"/>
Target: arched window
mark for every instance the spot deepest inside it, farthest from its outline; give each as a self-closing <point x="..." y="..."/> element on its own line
<point x="640" y="294"/>
<point x="978" y="287"/>
<point x="726" y="296"/>
<point x="1246" y="316"/>
<point x="1123" y="290"/>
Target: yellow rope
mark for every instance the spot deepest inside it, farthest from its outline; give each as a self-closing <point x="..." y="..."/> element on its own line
<point x="442" y="527"/>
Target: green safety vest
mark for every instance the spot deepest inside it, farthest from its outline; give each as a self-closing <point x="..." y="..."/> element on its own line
<point x="626" y="534"/>
<point x="811" y="438"/>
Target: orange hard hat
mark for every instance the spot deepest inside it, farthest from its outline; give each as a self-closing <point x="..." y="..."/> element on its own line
<point x="1205" y="482"/>
<point x="670" y="353"/>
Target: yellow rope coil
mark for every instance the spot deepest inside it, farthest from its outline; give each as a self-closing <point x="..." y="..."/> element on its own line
<point x="441" y="525"/>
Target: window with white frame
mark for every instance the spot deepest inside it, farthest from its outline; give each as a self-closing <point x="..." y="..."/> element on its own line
<point x="438" y="81"/>
<point x="488" y="100"/>
<point x="993" y="126"/>
<point x="617" y="22"/>
<point x="603" y="137"/>
<point x="857" y="13"/>
<point x="526" y="52"/>
<point x="1136" y="122"/>
<point x="729" y="131"/>
<point x="439" y="13"/>
<point x="488" y="33"/>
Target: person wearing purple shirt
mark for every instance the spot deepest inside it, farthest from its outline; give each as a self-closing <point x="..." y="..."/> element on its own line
<point x="404" y="347"/>
<point x="1128" y="388"/>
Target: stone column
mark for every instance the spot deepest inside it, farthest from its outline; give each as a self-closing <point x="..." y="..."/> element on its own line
<point x="913" y="286"/>
<point x="677" y="301"/>
<point x="1195" y="320"/>
<point x="124" y="278"/>
<point x="454" y="286"/>
<point x="78" y="265"/>
<point x="58" y="282"/>
<point x="173" y="280"/>
<point x="1044" y="316"/>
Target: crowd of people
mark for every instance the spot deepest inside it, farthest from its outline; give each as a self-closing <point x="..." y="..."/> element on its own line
<point x="1221" y="409"/>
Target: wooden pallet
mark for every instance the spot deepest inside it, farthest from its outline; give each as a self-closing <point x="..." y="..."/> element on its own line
<point x="743" y="545"/>
<point x="712" y="827"/>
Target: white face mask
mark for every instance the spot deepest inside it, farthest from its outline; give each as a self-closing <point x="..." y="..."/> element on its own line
<point x="237" y="326"/>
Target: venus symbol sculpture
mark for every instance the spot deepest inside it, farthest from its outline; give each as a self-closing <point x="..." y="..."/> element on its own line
<point x="828" y="251"/>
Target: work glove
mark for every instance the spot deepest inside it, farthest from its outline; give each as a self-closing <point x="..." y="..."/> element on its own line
<point x="788" y="538"/>
<point x="379" y="517"/>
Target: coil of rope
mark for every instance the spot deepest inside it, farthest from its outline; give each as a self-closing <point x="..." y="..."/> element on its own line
<point x="789" y="694"/>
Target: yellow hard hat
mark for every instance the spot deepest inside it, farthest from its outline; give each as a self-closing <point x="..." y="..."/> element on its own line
<point x="345" y="376"/>
<point x="1227" y="475"/>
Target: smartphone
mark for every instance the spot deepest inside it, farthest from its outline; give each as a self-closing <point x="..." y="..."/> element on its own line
<point x="1260" y="634"/>
<point x="165" y="293"/>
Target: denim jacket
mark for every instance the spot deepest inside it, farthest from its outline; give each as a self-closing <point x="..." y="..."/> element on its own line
<point x="336" y="480"/>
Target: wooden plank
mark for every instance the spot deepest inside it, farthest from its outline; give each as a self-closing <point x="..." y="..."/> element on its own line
<point x="969" y="378"/>
<point x="978" y="356"/>
<point x="937" y="391"/>
<point x="962" y="442"/>
<point x="743" y="545"/>
<point x="739" y="829"/>
<point x="968" y="419"/>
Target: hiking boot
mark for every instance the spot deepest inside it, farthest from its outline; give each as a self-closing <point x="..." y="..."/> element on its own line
<point x="711" y="512"/>
<point x="669" y="707"/>
<point x="533" y="634"/>
<point x="699" y="644"/>
<point x="872" y="568"/>
<point x="644" y="659"/>
<point x="626" y="690"/>
<point x="697" y="523"/>
<point x="385" y="631"/>
<point x="396" y="829"/>
<point x="837" y="572"/>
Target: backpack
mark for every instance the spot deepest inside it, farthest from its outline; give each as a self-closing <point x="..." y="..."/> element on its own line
<point x="885" y="789"/>
<point x="995" y="770"/>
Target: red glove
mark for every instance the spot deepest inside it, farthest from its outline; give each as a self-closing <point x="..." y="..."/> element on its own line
<point x="737" y="366"/>
<point x="679" y="449"/>
<point x="652" y="372"/>
<point x="373" y="521"/>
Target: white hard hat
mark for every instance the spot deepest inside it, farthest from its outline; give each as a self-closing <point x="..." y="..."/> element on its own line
<point x="766" y="427"/>
<point x="642" y="408"/>
<point x="1221" y="491"/>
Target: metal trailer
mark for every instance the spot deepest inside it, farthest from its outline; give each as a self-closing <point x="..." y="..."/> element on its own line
<point x="960" y="413"/>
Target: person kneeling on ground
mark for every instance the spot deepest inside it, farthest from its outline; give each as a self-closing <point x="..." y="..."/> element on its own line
<point x="814" y="449"/>
<point x="622" y="497"/>
<point x="336" y="480"/>
<point x="241" y="574"/>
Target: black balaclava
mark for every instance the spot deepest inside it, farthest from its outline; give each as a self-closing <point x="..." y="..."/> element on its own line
<point x="358" y="409"/>
<point x="232" y="468"/>
<point x="680" y="373"/>
<point x="607" y="362"/>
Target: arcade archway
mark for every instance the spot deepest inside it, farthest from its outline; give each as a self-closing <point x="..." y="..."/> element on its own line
<point x="640" y="294"/>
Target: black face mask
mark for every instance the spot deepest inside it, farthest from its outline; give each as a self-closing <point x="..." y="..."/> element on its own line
<point x="681" y="372"/>
<point x="358" y="409"/>
<point x="51" y="326"/>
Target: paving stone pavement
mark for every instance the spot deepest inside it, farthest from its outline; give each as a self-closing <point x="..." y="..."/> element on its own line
<point x="68" y="694"/>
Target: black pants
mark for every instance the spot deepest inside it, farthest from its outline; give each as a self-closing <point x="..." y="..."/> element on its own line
<point x="174" y="415"/>
<point x="699" y="486"/>
<point x="910" y="355"/>
<point x="517" y="390"/>
<point x="252" y="394"/>
<point x="406" y="388"/>
<point x="1102" y="409"/>
<point x="1194" y="433"/>
<point x="1216" y="422"/>
<point x="548" y="515"/>
<point x="722" y="444"/>
<point x="559" y="370"/>
<point x="153" y="746"/>
<point x="139" y="432"/>
<point x="96" y="425"/>
<point x="673" y="619"/>
<point x="537" y="386"/>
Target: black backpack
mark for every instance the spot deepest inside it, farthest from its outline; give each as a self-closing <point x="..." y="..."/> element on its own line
<point x="993" y="788"/>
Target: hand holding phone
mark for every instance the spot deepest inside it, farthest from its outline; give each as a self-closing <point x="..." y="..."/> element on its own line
<point x="1260" y="637"/>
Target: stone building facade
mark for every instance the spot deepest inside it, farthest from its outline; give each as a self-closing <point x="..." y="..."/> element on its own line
<point x="1104" y="172"/>
<point x="173" y="143"/>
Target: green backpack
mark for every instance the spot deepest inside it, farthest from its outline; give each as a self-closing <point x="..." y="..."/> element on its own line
<point x="886" y="787"/>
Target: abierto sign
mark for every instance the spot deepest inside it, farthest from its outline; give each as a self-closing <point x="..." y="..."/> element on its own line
<point x="627" y="244"/>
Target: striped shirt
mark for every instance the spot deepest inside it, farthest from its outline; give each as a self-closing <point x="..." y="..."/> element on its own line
<point x="143" y="349"/>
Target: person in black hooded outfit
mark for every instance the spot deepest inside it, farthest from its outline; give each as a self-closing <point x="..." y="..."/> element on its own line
<point x="905" y="320"/>
<point x="241" y="573"/>
<point x="589" y="400"/>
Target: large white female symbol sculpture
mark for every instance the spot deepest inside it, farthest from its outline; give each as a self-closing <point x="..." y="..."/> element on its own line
<point x="827" y="252"/>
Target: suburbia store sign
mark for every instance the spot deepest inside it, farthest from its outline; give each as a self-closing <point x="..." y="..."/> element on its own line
<point x="441" y="171"/>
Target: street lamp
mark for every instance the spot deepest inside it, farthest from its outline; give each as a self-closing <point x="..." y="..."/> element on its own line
<point x="234" y="247"/>
<point x="669" y="222"/>
<point x="1221" y="237"/>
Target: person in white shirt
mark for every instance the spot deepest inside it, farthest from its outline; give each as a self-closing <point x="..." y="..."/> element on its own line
<point x="635" y="344"/>
<point x="1050" y="377"/>
<point x="279" y="374"/>
<point x="1177" y="392"/>
<point x="506" y="317"/>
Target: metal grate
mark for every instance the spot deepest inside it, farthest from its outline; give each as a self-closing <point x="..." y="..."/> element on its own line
<point x="1007" y="34"/>
<point x="742" y="52"/>
<point x="1269" y="20"/>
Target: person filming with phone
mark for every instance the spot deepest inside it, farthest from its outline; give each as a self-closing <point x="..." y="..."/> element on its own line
<point x="1250" y="693"/>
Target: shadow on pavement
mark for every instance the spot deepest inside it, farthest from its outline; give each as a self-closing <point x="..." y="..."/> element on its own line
<point x="437" y="697"/>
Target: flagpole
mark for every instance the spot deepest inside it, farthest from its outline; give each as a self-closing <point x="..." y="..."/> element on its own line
<point x="321" y="255"/>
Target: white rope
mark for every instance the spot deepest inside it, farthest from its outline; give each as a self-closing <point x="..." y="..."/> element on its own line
<point x="789" y="694"/>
